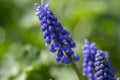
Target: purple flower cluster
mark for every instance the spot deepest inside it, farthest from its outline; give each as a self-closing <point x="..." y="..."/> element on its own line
<point x="96" y="63"/>
<point x="103" y="70"/>
<point x="55" y="35"/>
<point x="88" y="51"/>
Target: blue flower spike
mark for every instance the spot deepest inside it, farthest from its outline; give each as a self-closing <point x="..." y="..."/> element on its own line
<point x="88" y="51"/>
<point x="56" y="37"/>
<point x="103" y="69"/>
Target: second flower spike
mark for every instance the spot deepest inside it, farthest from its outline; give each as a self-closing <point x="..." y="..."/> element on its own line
<point x="88" y="52"/>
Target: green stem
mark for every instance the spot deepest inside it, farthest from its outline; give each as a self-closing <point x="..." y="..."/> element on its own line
<point x="74" y="66"/>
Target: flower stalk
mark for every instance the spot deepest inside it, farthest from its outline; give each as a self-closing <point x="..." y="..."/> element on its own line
<point x="75" y="68"/>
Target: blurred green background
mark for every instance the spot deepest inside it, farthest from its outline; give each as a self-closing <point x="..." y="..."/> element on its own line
<point x="23" y="54"/>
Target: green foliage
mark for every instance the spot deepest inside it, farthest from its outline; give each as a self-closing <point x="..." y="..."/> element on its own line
<point x="23" y="55"/>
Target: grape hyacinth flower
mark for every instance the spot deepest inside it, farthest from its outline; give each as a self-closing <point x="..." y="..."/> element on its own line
<point x="85" y="53"/>
<point x="102" y="68"/>
<point x="55" y="36"/>
<point x="88" y="51"/>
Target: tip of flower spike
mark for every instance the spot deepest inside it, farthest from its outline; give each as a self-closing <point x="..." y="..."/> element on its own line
<point x="47" y="6"/>
<point x="36" y="5"/>
<point x="86" y="41"/>
<point x="42" y="3"/>
<point x="93" y="45"/>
